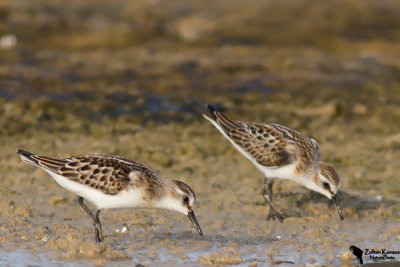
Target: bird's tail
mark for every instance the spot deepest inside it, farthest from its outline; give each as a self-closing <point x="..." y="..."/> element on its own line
<point x="27" y="157"/>
<point x="221" y="120"/>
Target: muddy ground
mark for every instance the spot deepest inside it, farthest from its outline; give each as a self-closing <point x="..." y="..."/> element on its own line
<point x="131" y="78"/>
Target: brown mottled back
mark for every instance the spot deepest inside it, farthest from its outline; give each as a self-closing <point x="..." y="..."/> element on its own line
<point x="110" y="174"/>
<point x="306" y="149"/>
<point x="270" y="144"/>
<point x="263" y="142"/>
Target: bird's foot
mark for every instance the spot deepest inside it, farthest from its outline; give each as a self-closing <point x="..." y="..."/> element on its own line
<point x="274" y="214"/>
<point x="98" y="233"/>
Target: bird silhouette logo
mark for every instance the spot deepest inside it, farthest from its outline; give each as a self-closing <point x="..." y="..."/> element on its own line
<point x="358" y="253"/>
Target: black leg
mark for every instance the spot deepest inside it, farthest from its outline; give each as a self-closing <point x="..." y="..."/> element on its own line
<point x="267" y="194"/>
<point x="96" y="221"/>
<point x="98" y="232"/>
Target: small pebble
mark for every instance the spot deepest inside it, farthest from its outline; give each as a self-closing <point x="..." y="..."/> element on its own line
<point x="8" y="41"/>
<point x="122" y="230"/>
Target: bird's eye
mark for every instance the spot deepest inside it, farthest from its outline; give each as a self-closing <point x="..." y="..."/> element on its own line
<point x="185" y="199"/>
<point x="326" y="185"/>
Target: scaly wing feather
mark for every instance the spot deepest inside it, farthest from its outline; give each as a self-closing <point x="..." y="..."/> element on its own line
<point x="110" y="174"/>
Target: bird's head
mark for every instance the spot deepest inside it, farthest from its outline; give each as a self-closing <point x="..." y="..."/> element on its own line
<point x="181" y="198"/>
<point x="328" y="183"/>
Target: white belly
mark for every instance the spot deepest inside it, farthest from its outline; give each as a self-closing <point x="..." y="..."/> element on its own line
<point x="289" y="172"/>
<point x="125" y="199"/>
<point x="285" y="172"/>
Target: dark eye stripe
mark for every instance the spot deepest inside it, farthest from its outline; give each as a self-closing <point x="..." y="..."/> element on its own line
<point x="326" y="185"/>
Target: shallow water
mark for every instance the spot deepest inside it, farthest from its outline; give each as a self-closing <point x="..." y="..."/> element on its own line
<point x="133" y="79"/>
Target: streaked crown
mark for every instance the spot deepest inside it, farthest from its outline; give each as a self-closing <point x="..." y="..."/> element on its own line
<point x="330" y="180"/>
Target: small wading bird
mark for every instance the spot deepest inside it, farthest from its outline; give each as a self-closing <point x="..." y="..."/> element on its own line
<point x="113" y="182"/>
<point x="280" y="153"/>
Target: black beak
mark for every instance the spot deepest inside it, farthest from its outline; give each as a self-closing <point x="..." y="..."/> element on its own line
<point x="193" y="218"/>
<point x="336" y="201"/>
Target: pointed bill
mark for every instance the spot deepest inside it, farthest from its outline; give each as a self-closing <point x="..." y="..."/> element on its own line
<point x="193" y="219"/>
<point x="336" y="201"/>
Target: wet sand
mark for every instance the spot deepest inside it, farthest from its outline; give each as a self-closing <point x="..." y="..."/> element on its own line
<point x="84" y="79"/>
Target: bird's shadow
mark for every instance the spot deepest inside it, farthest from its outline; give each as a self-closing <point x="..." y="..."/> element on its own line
<point x="347" y="200"/>
<point x="188" y="236"/>
<point x="366" y="202"/>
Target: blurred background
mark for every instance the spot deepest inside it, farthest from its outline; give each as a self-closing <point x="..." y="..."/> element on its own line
<point x="162" y="60"/>
<point x="132" y="78"/>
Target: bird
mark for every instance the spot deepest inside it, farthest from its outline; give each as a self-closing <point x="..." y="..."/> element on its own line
<point x="358" y="253"/>
<point x="279" y="153"/>
<point x="111" y="182"/>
